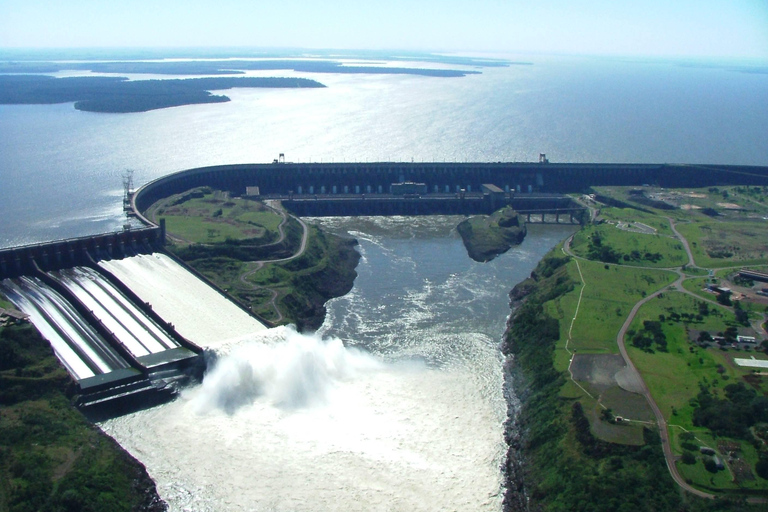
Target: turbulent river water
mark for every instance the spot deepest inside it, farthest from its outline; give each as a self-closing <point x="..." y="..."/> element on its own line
<point x="395" y="404"/>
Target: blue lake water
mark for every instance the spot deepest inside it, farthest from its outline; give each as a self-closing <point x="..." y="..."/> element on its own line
<point x="420" y="427"/>
<point x="61" y="169"/>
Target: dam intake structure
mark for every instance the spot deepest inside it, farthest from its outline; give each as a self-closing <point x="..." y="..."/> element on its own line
<point x="396" y="188"/>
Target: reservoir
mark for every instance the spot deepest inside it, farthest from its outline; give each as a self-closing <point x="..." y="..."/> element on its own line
<point x="396" y="404"/>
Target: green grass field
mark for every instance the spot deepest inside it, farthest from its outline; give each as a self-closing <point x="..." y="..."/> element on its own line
<point x="630" y="248"/>
<point x="726" y="244"/>
<point x="608" y="297"/>
<point x="213" y="217"/>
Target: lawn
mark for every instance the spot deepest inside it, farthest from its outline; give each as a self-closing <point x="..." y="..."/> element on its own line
<point x="608" y="298"/>
<point x="718" y="244"/>
<point x="211" y="216"/>
<point x="607" y="243"/>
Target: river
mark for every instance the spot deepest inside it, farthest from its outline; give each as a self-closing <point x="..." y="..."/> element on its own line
<point x="395" y="404"/>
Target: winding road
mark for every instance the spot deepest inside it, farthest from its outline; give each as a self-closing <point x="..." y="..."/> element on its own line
<point x="260" y="263"/>
<point x="669" y="456"/>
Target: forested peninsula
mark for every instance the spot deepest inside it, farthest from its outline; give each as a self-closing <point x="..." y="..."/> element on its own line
<point x="23" y="80"/>
<point x="120" y="95"/>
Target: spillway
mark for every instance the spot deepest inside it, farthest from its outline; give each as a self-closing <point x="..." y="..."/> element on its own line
<point x="138" y="333"/>
<point x="112" y="345"/>
<point x="199" y="313"/>
<point x="84" y="352"/>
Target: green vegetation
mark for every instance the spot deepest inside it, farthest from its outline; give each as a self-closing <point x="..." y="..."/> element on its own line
<point x="51" y="458"/>
<point x="683" y="341"/>
<point x="234" y="242"/>
<point x="231" y="67"/>
<point x="566" y="467"/>
<point x="206" y="216"/>
<point x="722" y="243"/>
<point x="608" y="297"/>
<point x="487" y="236"/>
<point x="611" y="244"/>
<point x="119" y="95"/>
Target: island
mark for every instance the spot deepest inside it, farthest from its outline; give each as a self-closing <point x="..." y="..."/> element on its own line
<point x="487" y="236"/>
<point x="120" y="95"/>
<point x="24" y="79"/>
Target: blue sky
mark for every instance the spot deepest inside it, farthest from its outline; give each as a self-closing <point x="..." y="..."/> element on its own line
<point x="705" y="28"/>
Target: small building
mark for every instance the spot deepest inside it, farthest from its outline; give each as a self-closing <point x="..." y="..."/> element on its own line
<point x="746" y="339"/>
<point x="706" y="450"/>
<point x="719" y="289"/>
<point x="754" y="275"/>
<point x="252" y="191"/>
<point x="718" y="463"/>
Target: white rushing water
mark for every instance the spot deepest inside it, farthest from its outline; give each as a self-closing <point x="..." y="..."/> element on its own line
<point x="137" y="332"/>
<point x="398" y="406"/>
<point x="293" y="422"/>
<point x="198" y="312"/>
<point x="63" y="327"/>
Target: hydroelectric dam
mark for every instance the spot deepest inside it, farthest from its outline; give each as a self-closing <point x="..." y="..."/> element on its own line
<point x="84" y="294"/>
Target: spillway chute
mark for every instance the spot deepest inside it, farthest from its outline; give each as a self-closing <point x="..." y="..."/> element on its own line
<point x="110" y="343"/>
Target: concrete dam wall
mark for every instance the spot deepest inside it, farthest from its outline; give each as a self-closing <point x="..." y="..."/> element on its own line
<point x="298" y="181"/>
<point x="58" y="254"/>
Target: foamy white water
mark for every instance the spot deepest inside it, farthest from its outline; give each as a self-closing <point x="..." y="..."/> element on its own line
<point x="398" y="407"/>
<point x="198" y="312"/>
<point x="292" y="422"/>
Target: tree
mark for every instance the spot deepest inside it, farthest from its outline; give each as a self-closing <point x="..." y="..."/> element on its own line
<point x="688" y="458"/>
<point x="724" y="299"/>
<point x="761" y="468"/>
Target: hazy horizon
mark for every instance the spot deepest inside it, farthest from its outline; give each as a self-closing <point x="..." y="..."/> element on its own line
<point x="736" y="29"/>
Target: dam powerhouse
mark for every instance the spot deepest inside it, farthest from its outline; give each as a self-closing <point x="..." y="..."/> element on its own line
<point x="116" y="345"/>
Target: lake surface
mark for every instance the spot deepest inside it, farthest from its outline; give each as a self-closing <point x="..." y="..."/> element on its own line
<point x="397" y="403"/>
<point x="62" y="169"/>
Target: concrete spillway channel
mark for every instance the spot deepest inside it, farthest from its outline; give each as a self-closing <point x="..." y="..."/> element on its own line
<point x="81" y="349"/>
<point x="111" y="345"/>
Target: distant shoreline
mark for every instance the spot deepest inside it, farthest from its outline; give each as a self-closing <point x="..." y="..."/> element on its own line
<point x="119" y="95"/>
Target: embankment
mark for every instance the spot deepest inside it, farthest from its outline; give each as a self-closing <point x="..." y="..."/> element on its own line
<point x="51" y="457"/>
<point x="554" y="462"/>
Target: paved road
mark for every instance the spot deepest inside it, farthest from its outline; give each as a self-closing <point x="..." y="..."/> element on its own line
<point x="272" y="205"/>
<point x="669" y="456"/>
<point x="691" y="261"/>
<point x="259" y="264"/>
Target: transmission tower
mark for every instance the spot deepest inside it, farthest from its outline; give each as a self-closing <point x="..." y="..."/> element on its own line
<point x="127" y="189"/>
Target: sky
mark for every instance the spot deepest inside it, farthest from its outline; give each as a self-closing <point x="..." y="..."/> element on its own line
<point x="675" y="28"/>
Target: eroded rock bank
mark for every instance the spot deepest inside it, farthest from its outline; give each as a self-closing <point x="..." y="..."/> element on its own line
<point x="487" y="236"/>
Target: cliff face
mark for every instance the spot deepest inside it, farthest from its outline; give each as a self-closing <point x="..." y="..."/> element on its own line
<point x="554" y="461"/>
<point x="487" y="236"/>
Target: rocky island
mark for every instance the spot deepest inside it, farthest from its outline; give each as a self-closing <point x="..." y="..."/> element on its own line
<point x="487" y="236"/>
